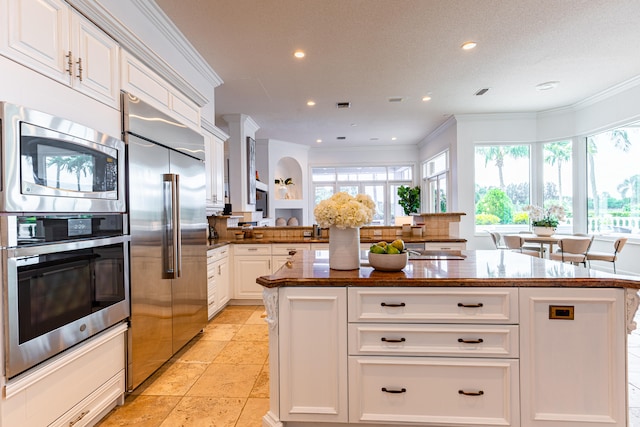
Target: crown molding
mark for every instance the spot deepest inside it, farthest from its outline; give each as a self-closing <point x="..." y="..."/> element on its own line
<point x="103" y="18"/>
<point x="451" y="121"/>
<point x="213" y="129"/>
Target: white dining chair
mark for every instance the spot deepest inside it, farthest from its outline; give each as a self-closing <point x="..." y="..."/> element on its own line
<point x="573" y="250"/>
<point x="608" y="256"/>
<point x="515" y="243"/>
<point x="496" y="239"/>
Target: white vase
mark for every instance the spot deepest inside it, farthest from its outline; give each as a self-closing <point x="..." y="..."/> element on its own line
<point x="344" y="248"/>
<point x="543" y="231"/>
<point x="282" y="191"/>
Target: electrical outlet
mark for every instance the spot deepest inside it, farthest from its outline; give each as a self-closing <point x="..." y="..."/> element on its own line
<point x="377" y="233"/>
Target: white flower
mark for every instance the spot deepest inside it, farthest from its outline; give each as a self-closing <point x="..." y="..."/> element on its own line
<point x="545" y="218"/>
<point x="345" y="211"/>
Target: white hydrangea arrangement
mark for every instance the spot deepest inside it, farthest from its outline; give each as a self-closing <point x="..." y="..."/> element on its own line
<point x="345" y="211"/>
<point x="550" y="217"/>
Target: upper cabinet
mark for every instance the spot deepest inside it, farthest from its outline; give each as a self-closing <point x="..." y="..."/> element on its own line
<point x="214" y="154"/>
<point x="141" y="81"/>
<point x="52" y="39"/>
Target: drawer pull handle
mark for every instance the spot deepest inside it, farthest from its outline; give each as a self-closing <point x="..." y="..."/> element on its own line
<point x="402" y="390"/>
<point x="292" y="252"/>
<point x="478" y="305"/>
<point x="392" y="339"/>
<point x="471" y="393"/>
<point x="478" y="341"/>
<point x="384" y="304"/>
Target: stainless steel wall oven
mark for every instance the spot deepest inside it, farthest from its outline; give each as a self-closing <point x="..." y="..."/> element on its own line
<point x="64" y="237"/>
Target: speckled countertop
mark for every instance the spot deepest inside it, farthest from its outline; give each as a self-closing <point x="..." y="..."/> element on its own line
<point x="407" y="239"/>
<point x="492" y="268"/>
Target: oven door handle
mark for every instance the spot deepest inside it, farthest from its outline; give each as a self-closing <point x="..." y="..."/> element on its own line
<point x="172" y="227"/>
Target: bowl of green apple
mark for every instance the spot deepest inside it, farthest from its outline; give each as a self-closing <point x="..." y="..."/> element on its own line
<point x="385" y="256"/>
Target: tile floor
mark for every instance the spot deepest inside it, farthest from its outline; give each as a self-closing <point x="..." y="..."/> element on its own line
<point x="221" y="378"/>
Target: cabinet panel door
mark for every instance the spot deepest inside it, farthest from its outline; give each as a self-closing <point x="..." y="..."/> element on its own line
<point x="573" y="365"/>
<point x="313" y="354"/>
<point x="222" y="282"/>
<point x="246" y="270"/>
<point x="38" y="36"/>
<point x="96" y="59"/>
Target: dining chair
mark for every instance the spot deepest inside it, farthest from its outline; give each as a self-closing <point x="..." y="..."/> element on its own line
<point x="497" y="239"/>
<point x="515" y="243"/>
<point x="608" y="256"/>
<point x="573" y="250"/>
<point x="539" y="247"/>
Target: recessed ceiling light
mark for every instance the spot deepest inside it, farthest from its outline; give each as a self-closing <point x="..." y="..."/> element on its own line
<point x="298" y="54"/>
<point x="547" y="85"/>
<point x="393" y="138"/>
<point x="468" y="45"/>
<point x="311" y="103"/>
<point x="318" y="141"/>
<point x="426" y="98"/>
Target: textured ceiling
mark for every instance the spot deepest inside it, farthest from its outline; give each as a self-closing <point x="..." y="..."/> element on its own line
<point x="367" y="51"/>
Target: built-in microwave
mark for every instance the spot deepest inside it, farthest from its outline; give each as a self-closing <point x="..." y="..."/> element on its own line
<point x="50" y="164"/>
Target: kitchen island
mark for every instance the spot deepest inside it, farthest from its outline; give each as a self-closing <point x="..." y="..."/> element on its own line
<point x="497" y="338"/>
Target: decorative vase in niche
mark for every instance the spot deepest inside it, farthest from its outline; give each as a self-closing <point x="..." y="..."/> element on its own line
<point x="282" y="191"/>
<point x="543" y="231"/>
<point x="344" y="248"/>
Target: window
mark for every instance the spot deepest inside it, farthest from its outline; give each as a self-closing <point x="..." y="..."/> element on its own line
<point x="436" y="172"/>
<point x="379" y="182"/>
<point x="613" y="177"/>
<point x="502" y="178"/>
<point x="558" y="179"/>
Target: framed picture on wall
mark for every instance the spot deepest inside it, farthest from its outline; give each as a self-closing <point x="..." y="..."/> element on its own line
<point x="251" y="170"/>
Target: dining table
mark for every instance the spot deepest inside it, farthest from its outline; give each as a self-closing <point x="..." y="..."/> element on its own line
<point x="542" y="240"/>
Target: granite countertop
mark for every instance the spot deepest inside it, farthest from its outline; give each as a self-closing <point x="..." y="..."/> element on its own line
<point x="406" y="239"/>
<point x="492" y="268"/>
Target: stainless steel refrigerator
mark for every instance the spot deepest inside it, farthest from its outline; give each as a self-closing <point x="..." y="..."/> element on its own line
<point x="168" y="224"/>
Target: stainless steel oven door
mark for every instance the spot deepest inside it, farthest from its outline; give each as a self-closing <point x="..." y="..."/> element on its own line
<point x="50" y="164"/>
<point x="58" y="295"/>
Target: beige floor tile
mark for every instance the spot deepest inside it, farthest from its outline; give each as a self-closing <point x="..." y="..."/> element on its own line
<point x="243" y="353"/>
<point x="219" y="332"/>
<point x="253" y="412"/>
<point x="204" y="412"/>
<point x="252" y="333"/>
<point x="176" y="380"/>
<point x="234" y="317"/>
<point x="200" y="351"/>
<point x="261" y="386"/>
<point x="141" y="411"/>
<point x="226" y="381"/>
<point x="258" y="317"/>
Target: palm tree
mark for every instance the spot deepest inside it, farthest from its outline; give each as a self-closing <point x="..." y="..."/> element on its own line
<point x="59" y="162"/>
<point x="498" y="153"/>
<point x="79" y="165"/>
<point x="630" y="184"/>
<point x="558" y="153"/>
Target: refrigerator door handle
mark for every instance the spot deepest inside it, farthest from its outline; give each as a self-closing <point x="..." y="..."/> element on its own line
<point x="172" y="238"/>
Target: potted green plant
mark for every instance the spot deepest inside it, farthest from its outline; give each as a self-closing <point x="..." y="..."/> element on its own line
<point x="409" y="199"/>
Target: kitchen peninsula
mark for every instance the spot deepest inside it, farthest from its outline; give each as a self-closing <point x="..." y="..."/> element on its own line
<point x="497" y="338"/>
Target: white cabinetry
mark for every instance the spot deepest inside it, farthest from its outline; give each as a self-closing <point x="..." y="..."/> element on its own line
<point x="474" y="333"/>
<point x="217" y="279"/>
<point x="142" y="82"/>
<point x="282" y="252"/>
<point x="52" y="39"/>
<point x="214" y="154"/>
<point x="250" y="261"/>
<point x="445" y="246"/>
<point x="76" y="388"/>
<point x="573" y="357"/>
<point x="312" y="354"/>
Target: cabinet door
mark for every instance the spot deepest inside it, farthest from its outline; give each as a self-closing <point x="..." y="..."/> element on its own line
<point x="573" y="357"/>
<point x="218" y="173"/>
<point x="222" y="283"/>
<point x="246" y="270"/>
<point x="38" y="36"/>
<point x="96" y="58"/>
<point x="313" y="354"/>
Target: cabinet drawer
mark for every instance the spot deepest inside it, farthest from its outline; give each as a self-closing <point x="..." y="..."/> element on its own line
<point x="445" y="246"/>
<point x="446" y="305"/>
<point x="440" y="391"/>
<point x="285" y="248"/>
<point x="252" y="249"/>
<point x="433" y="340"/>
<point x="217" y="254"/>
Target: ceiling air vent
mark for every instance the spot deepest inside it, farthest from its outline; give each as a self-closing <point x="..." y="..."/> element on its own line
<point x="341" y="137"/>
<point x="482" y="91"/>
<point x="343" y="105"/>
<point x="396" y="99"/>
